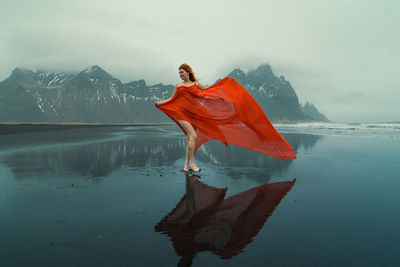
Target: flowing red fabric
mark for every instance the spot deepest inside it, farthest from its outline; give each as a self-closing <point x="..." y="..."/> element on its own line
<point x="225" y="111"/>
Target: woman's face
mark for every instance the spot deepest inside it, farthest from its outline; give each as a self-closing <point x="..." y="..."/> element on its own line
<point x="184" y="74"/>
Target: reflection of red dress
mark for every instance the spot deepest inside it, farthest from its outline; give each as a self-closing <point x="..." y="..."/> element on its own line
<point x="222" y="226"/>
<point x="225" y="111"/>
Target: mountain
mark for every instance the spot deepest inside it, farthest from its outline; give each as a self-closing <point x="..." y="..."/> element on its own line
<point x="95" y="96"/>
<point x="313" y="112"/>
<point x="90" y="96"/>
<point x="274" y="94"/>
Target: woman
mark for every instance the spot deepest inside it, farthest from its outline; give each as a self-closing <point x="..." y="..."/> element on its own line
<point x="224" y="111"/>
<point x="187" y="75"/>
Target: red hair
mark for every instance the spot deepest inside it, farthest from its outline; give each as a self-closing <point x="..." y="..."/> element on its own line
<point x="187" y="68"/>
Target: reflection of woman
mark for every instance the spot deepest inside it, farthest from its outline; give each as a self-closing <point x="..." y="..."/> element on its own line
<point x="190" y="214"/>
<point x="224" y="111"/>
<point x="204" y="221"/>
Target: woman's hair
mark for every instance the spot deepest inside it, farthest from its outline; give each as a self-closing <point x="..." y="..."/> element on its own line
<point x="188" y="69"/>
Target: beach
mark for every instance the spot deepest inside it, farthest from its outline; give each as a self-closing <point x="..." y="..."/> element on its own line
<point x="92" y="196"/>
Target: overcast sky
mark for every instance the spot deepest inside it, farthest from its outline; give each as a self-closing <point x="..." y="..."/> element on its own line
<point x="341" y="55"/>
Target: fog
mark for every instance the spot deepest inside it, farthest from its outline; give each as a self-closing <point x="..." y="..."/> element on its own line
<point x="342" y="56"/>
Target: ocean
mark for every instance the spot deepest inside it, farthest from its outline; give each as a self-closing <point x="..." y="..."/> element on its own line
<point x="383" y="130"/>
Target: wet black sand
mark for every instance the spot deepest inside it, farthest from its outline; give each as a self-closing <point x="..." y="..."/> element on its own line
<point x="92" y="196"/>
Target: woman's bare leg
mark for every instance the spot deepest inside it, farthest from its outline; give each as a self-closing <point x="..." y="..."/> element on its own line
<point x="191" y="138"/>
<point x="187" y="156"/>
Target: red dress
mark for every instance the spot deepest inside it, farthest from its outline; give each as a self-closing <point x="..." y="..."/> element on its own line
<point x="225" y="111"/>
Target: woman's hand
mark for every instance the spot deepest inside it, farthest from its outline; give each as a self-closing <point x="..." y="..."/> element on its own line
<point x="159" y="103"/>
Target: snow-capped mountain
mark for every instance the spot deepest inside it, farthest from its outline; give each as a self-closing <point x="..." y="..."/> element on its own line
<point x="95" y="96"/>
<point x="91" y="96"/>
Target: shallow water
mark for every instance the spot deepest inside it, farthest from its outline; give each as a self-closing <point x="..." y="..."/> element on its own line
<point x="93" y="196"/>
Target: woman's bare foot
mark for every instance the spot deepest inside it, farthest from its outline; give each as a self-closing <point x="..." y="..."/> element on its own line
<point x="185" y="169"/>
<point x="194" y="167"/>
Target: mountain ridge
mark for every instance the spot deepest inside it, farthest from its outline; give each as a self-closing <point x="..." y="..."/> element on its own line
<point x="95" y="96"/>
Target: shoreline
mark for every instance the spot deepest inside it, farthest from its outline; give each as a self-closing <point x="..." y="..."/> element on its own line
<point x="121" y="124"/>
<point x="21" y="128"/>
<point x="84" y="124"/>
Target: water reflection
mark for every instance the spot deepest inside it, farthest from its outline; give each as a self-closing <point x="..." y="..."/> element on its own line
<point x="242" y="162"/>
<point x="135" y="147"/>
<point x="204" y="221"/>
<point x="96" y="159"/>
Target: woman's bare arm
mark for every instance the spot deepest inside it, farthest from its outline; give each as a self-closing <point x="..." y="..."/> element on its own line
<point x="166" y="100"/>
<point x="201" y="86"/>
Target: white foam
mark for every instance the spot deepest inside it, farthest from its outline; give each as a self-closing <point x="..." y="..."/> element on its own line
<point x="379" y="130"/>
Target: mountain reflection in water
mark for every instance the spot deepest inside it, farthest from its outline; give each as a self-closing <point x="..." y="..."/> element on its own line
<point x="136" y="147"/>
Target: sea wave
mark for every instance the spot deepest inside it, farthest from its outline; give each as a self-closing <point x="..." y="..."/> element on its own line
<point x="375" y="130"/>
